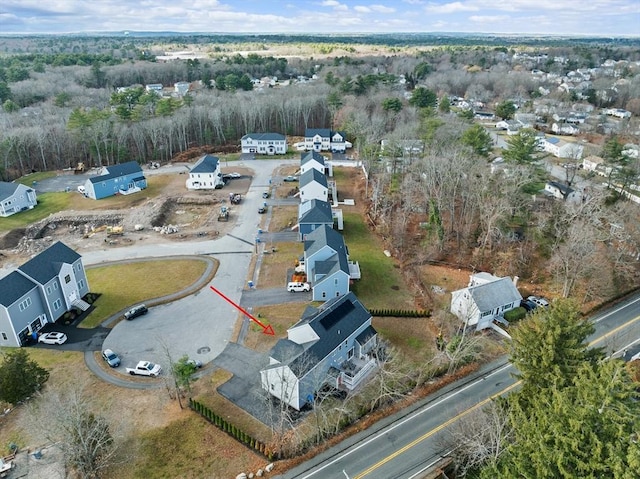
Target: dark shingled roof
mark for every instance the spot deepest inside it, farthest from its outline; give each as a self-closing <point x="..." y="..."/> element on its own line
<point x="315" y="211"/>
<point x="285" y="350"/>
<point x="7" y="189"/>
<point x="323" y="132"/>
<point x="310" y="156"/>
<point x="312" y="175"/>
<point x="334" y="322"/>
<point x="116" y="171"/>
<point x="13" y="287"/>
<point x="264" y="136"/>
<point x="206" y="164"/>
<point x="366" y="335"/>
<point x="321" y="237"/>
<point x="46" y="265"/>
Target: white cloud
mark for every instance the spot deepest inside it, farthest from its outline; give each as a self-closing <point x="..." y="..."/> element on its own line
<point x="453" y="7"/>
<point x="362" y="9"/>
<point x="382" y="9"/>
<point x="488" y="18"/>
<point x="335" y="5"/>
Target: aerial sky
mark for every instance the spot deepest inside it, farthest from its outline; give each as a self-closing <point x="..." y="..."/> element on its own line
<point x="558" y="17"/>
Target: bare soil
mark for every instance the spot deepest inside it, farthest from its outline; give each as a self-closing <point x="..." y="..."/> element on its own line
<point x="176" y="214"/>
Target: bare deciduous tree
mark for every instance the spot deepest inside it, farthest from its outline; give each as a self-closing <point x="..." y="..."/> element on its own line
<point x="69" y="417"/>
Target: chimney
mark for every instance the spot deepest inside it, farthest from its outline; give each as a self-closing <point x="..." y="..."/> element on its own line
<point x="515" y="281"/>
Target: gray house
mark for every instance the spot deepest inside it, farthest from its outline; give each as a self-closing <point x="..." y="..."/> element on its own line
<point x="15" y="197"/>
<point x="326" y="262"/>
<point x="313" y="214"/>
<point x="330" y="346"/>
<point x="39" y="292"/>
<point x="485" y="300"/>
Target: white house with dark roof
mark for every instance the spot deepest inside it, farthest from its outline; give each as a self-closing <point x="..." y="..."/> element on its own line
<point x="123" y="178"/>
<point x="485" y="300"/>
<point x="16" y="197"/>
<point x="324" y="139"/>
<point x="313" y="159"/>
<point x="40" y="292"/>
<point x="327" y="265"/>
<point x="332" y="346"/>
<point x="561" y="191"/>
<point x="205" y="174"/>
<point x="313" y="186"/>
<point x="264" y="143"/>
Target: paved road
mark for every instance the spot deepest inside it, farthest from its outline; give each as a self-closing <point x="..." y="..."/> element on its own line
<point x="405" y="445"/>
<point x="201" y="324"/>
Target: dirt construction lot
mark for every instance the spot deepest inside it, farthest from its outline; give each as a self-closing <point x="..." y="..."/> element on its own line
<point x="165" y="212"/>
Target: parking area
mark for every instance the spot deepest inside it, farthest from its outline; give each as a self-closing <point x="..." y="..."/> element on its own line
<point x="244" y="389"/>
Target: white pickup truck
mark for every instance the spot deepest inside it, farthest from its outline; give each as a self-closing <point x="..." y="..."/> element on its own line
<point x="145" y="368"/>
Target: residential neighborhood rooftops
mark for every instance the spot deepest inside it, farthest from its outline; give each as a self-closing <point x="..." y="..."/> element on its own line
<point x="311" y="156"/>
<point x="46" y="264"/>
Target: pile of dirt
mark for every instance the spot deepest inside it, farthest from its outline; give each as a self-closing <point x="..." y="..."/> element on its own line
<point x="12" y="238"/>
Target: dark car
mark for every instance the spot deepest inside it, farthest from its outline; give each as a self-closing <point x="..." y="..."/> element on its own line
<point x="291" y="178"/>
<point x="528" y="305"/>
<point x="265" y="195"/>
<point x="136" y="311"/>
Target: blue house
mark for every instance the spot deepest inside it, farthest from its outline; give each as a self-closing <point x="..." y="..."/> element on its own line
<point x="40" y="292"/>
<point x="332" y="345"/>
<point x="326" y="262"/>
<point x="313" y="214"/>
<point x="124" y="179"/>
<point x="15" y="197"/>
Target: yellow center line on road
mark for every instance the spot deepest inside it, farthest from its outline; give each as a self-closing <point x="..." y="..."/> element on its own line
<point x="433" y="431"/>
<point x="614" y="331"/>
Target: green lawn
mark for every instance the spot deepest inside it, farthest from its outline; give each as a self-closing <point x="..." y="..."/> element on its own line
<point x="47" y="203"/>
<point x="123" y="285"/>
<point x="381" y="285"/>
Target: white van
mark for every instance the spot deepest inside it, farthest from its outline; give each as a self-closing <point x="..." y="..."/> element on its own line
<point x="297" y="287"/>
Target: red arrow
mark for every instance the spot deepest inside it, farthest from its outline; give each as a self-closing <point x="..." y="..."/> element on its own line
<point x="265" y="329"/>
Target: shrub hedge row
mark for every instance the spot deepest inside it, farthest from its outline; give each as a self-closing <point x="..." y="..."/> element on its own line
<point x="401" y="313"/>
<point x="230" y="429"/>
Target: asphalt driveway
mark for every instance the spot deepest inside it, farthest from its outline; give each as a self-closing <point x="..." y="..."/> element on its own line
<point x="244" y="389"/>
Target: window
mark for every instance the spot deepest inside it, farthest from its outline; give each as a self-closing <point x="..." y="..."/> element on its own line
<point x="48" y="289"/>
<point x="324" y="294"/>
<point x="78" y="267"/>
<point x="67" y="279"/>
<point x="55" y="286"/>
<point x="335" y="281"/>
<point x="81" y="284"/>
<point x="24" y="304"/>
<point x="272" y="386"/>
<point x="4" y="336"/>
<point x="57" y="304"/>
